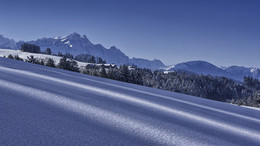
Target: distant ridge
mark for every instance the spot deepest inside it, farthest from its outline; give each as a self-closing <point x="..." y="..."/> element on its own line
<point x="79" y="44"/>
<point x="206" y="68"/>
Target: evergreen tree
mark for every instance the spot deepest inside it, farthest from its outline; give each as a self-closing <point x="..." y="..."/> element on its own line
<point x="42" y="62"/>
<point x="60" y="54"/>
<point x="31" y="59"/>
<point x="68" y="55"/>
<point x="111" y="73"/>
<point x="48" y="51"/>
<point x="50" y="62"/>
<point x="92" y="60"/>
<point x="252" y="83"/>
<point x="73" y="65"/>
<point x="10" y="56"/>
<point x="63" y="63"/>
<point x="68" y="64"/>
<point x="16" y="57"/>
<point x="103" y="72"/>
<point x="100" y="61"/>
<point x="125" y="74"/>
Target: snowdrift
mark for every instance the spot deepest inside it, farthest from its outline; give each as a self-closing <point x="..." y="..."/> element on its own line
<point x="47" y="106"/>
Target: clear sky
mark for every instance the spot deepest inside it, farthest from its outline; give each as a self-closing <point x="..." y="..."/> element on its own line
<point x="223" y="32"/>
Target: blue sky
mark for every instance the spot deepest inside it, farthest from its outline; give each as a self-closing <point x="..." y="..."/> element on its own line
<point x="223" y="32"/>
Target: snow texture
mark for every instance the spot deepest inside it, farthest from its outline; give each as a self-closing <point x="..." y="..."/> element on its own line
<point x="48" y="106"/>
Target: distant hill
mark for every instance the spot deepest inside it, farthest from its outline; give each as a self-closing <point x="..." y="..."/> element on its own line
<point x="206" y="68"/>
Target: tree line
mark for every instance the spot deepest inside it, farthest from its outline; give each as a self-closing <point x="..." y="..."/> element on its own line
<point x="32" y="48"/>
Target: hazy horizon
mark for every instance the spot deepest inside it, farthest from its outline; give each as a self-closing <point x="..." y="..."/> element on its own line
<point x="223" y="33"/>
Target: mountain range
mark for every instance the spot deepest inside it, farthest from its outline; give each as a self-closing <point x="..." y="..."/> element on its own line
<point x="6" y="43"/>
<point x="206" y="68"/>
<point x="79" y="44"/>
<point x="76" y="44"/>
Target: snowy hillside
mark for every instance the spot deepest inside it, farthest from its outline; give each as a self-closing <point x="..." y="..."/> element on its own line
<point x="48" y="106"/>
<point x="79" y="44"/>
<point x="24" y="55"/>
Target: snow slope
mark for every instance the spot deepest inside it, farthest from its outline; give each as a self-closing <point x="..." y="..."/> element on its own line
<point x="48" y="106"/>
<point x="24" y="55"/>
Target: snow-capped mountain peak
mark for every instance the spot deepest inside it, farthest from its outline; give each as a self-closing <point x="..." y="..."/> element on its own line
<point x="113" y="48"/>
<point x="253" y="69"/>
<point x="75" y="36"/>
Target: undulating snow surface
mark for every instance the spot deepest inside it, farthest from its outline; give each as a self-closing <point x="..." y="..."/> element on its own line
<point x="48" y="106"/>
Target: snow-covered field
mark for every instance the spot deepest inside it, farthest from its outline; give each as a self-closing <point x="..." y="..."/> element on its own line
<point x="24" y="55"/>
<point x="48" y="106"/>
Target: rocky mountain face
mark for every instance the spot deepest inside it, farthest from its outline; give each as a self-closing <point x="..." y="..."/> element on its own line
<point x="144" y="63"/>
<point x="6" y="43"/>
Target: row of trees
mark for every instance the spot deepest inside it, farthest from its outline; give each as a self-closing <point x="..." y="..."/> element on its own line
<point x="64" y="63"/>
<point x="32" y="48"/>
<point x="252" y="100"/>
<point x="31" y="59"/>
<point x="68" y="64"/>
<point x="122" y="73"/>
<point x="67" y="55"/>
<point x="89" y="58"/>
<point x="252" y="83"/>
<point x="216" y="88"/>
<point x="83" y="58"/>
